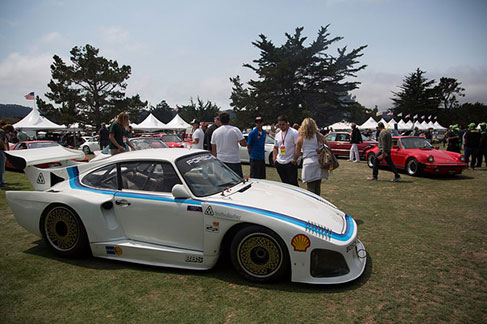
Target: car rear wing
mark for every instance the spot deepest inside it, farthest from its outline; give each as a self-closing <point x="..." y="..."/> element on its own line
<point x="40" y="178"/>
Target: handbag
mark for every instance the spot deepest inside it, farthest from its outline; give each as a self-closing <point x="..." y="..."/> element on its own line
<point x="327" y="159"/>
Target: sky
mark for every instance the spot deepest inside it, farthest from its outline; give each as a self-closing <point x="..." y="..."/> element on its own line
<point x="184" y="49"/>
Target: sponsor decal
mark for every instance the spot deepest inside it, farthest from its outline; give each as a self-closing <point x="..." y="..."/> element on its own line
<point x="40" y="179"/>
<point x="351" y="246"/>
<point x="209" y="211"/>
<point x="195" y="208"/>
<point x="300" y="243"/>
<point x="227" y="215"/>
<point x="193" y="259"/>
<point x="113" y="250"/>
<point x="199" y="158"/>
<point x="213" y="228"/>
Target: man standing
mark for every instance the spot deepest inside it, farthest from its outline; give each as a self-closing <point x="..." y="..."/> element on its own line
<point x="472" y="143"/>
<point x="256" y="148"/>
<point x="103" y="136"/>
<point x="385" y="145"/>
<point x="4" y="130"/>
<point x="283" y="152"/>
<point x="355" y="139"/>
<point x="198" y="135"/>
<point x="453" y="140"/>
<point x="483" y="145"/>
<point x="209" y="133"/>
<point x="224" y="144"/>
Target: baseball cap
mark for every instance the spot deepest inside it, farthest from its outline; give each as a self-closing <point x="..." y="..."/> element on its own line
<point x="195" y="121"/>
<point x="259" y="119"/>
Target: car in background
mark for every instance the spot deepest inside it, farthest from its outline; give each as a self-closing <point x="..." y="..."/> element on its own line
<point x="339" y="143"/>
<point x="172" y="140"/>
<point x="89" y="144"/>
<point x="140" y="143"/>
<point x="35" y="145"/>
<point x="415" y="155"/>
<point x="269" y="146"/>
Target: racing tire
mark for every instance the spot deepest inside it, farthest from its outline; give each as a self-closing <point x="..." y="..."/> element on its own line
<point x="370" y="160"/>
<point x="259" y="254"/>
<point x="64" y="232"/>
<point x="412" y="167"/>
<point x="86" y="150"/>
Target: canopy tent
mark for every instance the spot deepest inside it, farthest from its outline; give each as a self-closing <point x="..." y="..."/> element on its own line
<point x="149" y="124"/>
<point x="421" y="126"/>
<point x="343" y="125"/>
<point x="369" y="124"/>
<point x="34" y="122"/>
<point x="177" y="123"/>
<point x="401" y="125"/>
<point x="390" y="124"/>
<point x="410" y="124"/>
<point x="437" y="126"/>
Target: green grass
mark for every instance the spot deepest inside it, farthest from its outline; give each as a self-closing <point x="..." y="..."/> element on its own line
<point x="426" y="239"/>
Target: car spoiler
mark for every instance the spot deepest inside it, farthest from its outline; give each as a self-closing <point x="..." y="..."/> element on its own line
<point x="43" y="179"/>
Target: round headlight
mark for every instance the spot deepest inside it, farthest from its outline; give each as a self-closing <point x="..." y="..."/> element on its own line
<point x="462" y="158"/>
<point x="431" y="158"/>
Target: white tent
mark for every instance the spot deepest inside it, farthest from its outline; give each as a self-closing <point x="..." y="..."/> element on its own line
<point x="390" y="124"/>
<point x="410" y="124"/>
<point x="421" y="126"/>
<point x="34" y="122"/>
<point x="369" y="124"/>
<point x="150" y="124"/>
<point x="177" y="123"/>
<point x="401" y="125"/>
<point x="343" y="125"/>
<point x="437" y="126"/>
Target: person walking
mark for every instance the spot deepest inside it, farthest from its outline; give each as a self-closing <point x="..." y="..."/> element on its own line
<point x="117" y="140"/>
<point x="385" y="145"/>
<point x="472" y="143"/>
<point x="283" y="151"/>
<point x="209" y="133"/>
<point x="198" y="135"/>
<point x="103" y="136"/>
<point x="4" y="131"/>
<point x="355" y="139"/>
<point x="483" y="146"/>
<point x="256" y="149"/>
<point x="224" y="144"/>
<point x="307" y="144"/>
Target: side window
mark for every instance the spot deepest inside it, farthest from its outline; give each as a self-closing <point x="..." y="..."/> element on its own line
<point x="342" y="138"/>
<point x="148" y="176"/>
<point x="331" y="137"/>
<point x="395" y="141"/>
<point x="105" y="177"/>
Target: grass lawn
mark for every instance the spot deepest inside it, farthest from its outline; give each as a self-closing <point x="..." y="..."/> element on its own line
<point x="427" y="244"/>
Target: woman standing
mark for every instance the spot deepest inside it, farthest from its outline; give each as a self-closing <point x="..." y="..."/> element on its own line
<point x="307" y="144"/>
<point x="117" y="140"/>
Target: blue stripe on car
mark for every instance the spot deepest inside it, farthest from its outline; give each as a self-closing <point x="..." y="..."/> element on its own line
<point x="75" y="184"/>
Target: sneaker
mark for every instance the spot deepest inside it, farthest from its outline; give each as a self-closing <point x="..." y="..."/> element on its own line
<point x="356" y="161"/>
<point x="396" y="179"/>
<point x="372" y="179"/>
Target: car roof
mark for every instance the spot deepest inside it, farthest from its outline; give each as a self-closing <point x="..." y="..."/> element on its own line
<point x="169" y="154"/>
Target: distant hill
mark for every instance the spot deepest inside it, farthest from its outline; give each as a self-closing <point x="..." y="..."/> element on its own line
<point x="14" y="111"/>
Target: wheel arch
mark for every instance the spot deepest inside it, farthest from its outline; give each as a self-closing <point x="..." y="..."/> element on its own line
<point x="51" y="206"/>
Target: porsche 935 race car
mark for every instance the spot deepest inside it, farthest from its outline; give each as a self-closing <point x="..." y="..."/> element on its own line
<point x="181" y="208"/>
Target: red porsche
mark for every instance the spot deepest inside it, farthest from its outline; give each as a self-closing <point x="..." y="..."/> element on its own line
<point x="339" y="143"/>
<point x="172" y="140"/>
<point x="416" y="155"/>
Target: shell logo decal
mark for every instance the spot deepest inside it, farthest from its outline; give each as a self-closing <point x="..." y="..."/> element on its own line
<point x="300" y="243"/>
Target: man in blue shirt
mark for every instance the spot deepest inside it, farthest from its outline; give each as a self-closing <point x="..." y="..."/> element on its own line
<point x="256" y="148"/>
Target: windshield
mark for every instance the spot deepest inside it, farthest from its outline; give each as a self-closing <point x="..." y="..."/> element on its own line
<point x="144" y="143"/>
<point x="365" y="138"/>
<point x="415" y="143"/>
<point x="171" y="138"/>
<point x="206" y="175"/>
<point x="42" y="144"/>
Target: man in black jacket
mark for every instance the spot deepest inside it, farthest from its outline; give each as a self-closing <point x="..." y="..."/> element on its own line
<point x="355" y="139"/>
<point x="207" y="139"/>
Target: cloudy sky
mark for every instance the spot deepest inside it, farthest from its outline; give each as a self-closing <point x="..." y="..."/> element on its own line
<point x="187" y="49"/>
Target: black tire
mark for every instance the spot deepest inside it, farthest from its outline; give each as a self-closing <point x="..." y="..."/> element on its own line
<point x="271" y="160"/>
<point x="259" y="254"/>
<point x="370" y="160"/>
<point x="64" y="232"/>
<point x="412" y="167"/>
<point x="86" y="150"/>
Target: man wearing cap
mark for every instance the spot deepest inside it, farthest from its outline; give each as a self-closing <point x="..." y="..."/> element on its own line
<point x="385" y="145"/>
<point x="472" y="143"/>
<point x="256" y="148"/>
<point x="483" y="145"/>
<point x="224" y="144"/>
<point x="453" y="140"/>
<point x="209" y="133"/>
<point x="198" y="135"/>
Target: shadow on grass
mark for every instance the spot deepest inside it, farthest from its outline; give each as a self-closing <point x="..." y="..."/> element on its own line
<point x="17" y="186"/>
<point x="223" y="271"/>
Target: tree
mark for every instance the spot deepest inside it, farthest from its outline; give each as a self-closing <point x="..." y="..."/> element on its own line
<point x="92" y="88"/>
<point x="417" y="96"/>
<point x="163" y="112"/>
<point x="200" y="110"/>
<point x="448" y="89"/>
<point x="297" y="80"/>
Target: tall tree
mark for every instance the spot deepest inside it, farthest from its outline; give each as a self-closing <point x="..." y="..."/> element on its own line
<point x="93" y="87"/>
<point x="448" y="89"/>
<point x="199" y="110"/>
<point x="417" y="95"/>
<point x="297" y="80"/>
<point x="163" y="112"/>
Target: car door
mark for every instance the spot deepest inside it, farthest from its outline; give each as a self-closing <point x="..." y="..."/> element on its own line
<point x="397" y="154"/>
<point x="148" y="212"/>
<point x="343" y="143"/>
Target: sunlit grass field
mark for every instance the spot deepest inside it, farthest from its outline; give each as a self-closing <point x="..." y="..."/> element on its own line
<point x="427" y="244"/>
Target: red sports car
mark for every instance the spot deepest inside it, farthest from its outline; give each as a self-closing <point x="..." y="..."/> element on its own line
<point x="31" y="145"/>
<point x="173" y="140"/>
<point x="339" y="143"/>
<point x="415" y="155"/>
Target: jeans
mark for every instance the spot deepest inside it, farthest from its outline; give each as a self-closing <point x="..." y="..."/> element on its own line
<point x="375" y="171"/>
<point x="481" y="155"/>
<point x="288" y="173"/>
<point x="471" y="151"/>
<point x="257" y="169"/>
<point x="3" y="158"/>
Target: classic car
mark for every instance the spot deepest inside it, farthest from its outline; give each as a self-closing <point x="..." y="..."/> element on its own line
<point x="339" y="143"/>
<point x="184" y="208"/>
<point x="140" y="143"/>
<point x="89" y="144"/>
<point x="416" y="155"/>
<point x="36" y="145"/>
<point x="269" y="146"/>
<point x="172" y="140"/>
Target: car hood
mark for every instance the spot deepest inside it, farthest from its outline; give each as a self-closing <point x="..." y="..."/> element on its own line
<point x="284" y="200"/>
<point x="440" y="156"/>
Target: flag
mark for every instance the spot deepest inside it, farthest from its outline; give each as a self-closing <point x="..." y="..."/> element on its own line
<point x="415" y="116"/>
<point x="378" y="113"/>
<point x="176" y="108"/>
<point x="422" y="117"/>
<point x="429" y="117"/>
<point x="390" y="113"/>
<point x="399" y="115"/>
<point x="436" y="117"/>
<point x="30" y="96"/>
<point x="407" y="116"/>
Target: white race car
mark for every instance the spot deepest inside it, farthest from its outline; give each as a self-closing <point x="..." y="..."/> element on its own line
<point x="182" y="208"/>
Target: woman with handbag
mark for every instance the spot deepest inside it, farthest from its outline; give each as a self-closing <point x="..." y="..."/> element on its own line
<point x="307" y="144"/>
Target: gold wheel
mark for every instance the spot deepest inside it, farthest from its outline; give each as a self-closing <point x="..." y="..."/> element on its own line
<point x="62" y="229"/>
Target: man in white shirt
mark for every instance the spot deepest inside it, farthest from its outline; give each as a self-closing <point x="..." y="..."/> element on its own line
<point x="283" y="152"/>
<point x="224" y="144"/>
<point x="198" y="135"/>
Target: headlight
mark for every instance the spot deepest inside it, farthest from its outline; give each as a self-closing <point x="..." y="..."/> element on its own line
<point x="431" y="159"/>
<point x="462" y="158"/>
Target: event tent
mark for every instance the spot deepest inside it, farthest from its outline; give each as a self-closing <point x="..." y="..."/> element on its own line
<point x="369" y="124"/>
<point x="437" y="126"/>
<point x="35" y="122"/>
<point x="177" y="123"/>
<point x="401" y="125"/>
<point x="149" y="124"/>
<point x="343" y="125"/>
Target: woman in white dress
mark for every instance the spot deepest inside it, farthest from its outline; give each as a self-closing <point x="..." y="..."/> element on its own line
<point x="308" y="142"/>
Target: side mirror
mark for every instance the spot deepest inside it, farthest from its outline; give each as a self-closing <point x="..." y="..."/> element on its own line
<point x="180" y="192"/>
<point x="437" y="148"/>
<point x="395" y="147"/>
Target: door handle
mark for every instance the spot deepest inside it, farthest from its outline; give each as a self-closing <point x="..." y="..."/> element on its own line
<point x="122" y="203"/>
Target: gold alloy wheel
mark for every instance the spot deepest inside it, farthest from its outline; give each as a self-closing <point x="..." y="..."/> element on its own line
<point x="62" y="228"/>
<point x="259" y="255"/>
